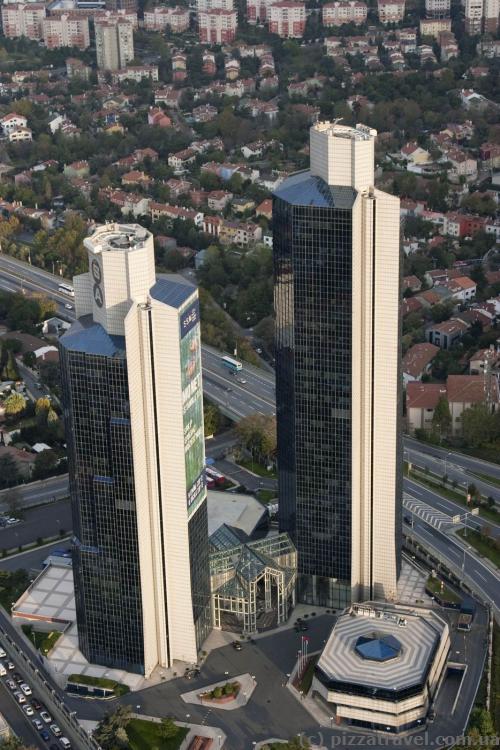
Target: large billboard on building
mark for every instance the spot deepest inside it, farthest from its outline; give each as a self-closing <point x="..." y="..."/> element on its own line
<point x="192" y="404"/>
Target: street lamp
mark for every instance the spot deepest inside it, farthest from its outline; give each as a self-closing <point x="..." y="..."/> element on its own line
<point x="331" y="722"/>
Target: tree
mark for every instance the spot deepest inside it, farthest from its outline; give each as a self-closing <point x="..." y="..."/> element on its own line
<point x="29" y="359"/>
<point x="479" y="425"/>
<point x="45" y="464"/>
<point x="441" y="419"/>
<point x="42" y="406"/>
<point x="12" y="500"/>
<point x="168" y="729"/>
<point x="9" y="472"/>
<point x="14" y="404"/>
<point x="264" y="330"/>
<point x="257" y="434"/>
<point x="110" y="731"/>
<point x="10" y="371"/>
<point x="211" y="417"/>
<point x="14" y="743"/>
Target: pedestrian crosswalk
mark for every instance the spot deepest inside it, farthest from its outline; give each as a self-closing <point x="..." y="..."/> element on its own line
<point x="426" y="513"/>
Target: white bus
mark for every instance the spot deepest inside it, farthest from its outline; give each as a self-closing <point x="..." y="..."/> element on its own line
<point x="66" y="289"/>
<point x="231" y="364"/>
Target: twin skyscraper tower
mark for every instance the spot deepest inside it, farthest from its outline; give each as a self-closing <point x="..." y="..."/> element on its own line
<point x="133" y="408"/>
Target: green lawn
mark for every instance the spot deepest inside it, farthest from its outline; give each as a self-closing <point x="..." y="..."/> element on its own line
<point x="256" y="468"/>
<point x="12" y="586"/>
<point x="87" y="679"/>
<point x="44" y="642"/>
<point x="482" y="544"/>
<point x="441" y="590"/>
<point x="266" y="496"/>
<point x="145" y="735"/>
<point x="307" y="678"/>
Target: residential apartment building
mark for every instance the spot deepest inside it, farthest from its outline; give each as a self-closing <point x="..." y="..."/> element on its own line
<point x="114" y="41"/>
<point x="67" y="30"/>
<point x="437" y="8"/>
<point x="23" y="19"/>
<point x="344" y="11"/>
<point x="338" y="370"/>
<point x="161" y="17"/>
<point x="203" y="5"/>
<point x="481" y="16"/>
<point x="217" y="26"/>
<point x="258" y="10"/>
<point x="434" y="26"/>
<point x="287" y="19"/>
<point x="391" y="11"/>
<point x="133" y="409"/>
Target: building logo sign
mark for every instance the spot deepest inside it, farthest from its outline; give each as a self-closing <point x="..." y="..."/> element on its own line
<point x="189" y="318"/>
<point x="97" y="276"/>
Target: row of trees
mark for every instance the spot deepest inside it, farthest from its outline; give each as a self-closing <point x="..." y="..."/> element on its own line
<point x="24" y="314"/>
<point x="479" y="425"/>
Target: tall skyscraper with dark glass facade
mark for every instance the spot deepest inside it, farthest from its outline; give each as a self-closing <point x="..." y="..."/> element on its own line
<point x="133" y="408"/>
<point x="336" y="259"/>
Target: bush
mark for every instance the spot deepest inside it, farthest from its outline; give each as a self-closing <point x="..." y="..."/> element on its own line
<point x="217" y="693"/>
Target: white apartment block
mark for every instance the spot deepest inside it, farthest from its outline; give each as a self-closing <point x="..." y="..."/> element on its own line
<point x="23" y="19"/>
<point x="114" y="41"/>
<point x="391" y="11"/>
<point x="481" y="16"/>
<point x="258" y="10"/>
<point x="437" y="8"/>
<point x="344" y="11"/>
<point x="162" y="16"/>
<point x="287" y="19"/>
<point x="67" y="30"/>
<point x="203" y="5"/>
<point x="12" y="122"/>
<point x="217" y="26"/>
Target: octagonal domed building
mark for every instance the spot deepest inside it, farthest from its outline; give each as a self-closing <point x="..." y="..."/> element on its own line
<point x="381" y="666"/>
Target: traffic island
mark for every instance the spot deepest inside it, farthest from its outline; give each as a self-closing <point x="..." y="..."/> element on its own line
<point x="226" y="695"/>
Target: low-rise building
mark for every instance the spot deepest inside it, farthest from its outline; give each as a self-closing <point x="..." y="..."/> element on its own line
<point x="421" y="400"/>
<point x="382" y="666"/>
<point x="447" y="333"/>
<point x="434" y="26"/>
<point x="417" y="361"/>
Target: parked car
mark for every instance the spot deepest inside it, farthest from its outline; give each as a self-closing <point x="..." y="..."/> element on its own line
<point x="55" y="730"/>
<point x="46" y="717"/>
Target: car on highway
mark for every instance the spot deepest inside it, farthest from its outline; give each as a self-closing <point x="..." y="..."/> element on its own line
<point x="242" y="381"/>
<point x="55" y="730"/>
<point x="11" y="685"/>
<point x="10" y="666"/>
<point x="25" y="688"/>
<point x="28" y="710"/>
<point x="38" y="725"/>
<point x="45" y="735"/>
<point x="46" y="717"/>
<point x="68" y="306"/>
<point x="2" y="653"/>
<point x="20" y="697"/>
<point x="237" y="646"/>
<point x="65" y="743"/>
<point x="3" y="671"/>
<point x="12" y="521"/>
<point x="17" y="678"/>
<point x="36" y="704"/>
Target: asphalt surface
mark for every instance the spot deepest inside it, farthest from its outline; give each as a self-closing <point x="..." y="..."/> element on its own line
<point x="43" y="491"/>
<point x="18" y="721"/>
<point x="42" y="521"/>
<point x="32" y="561"/>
